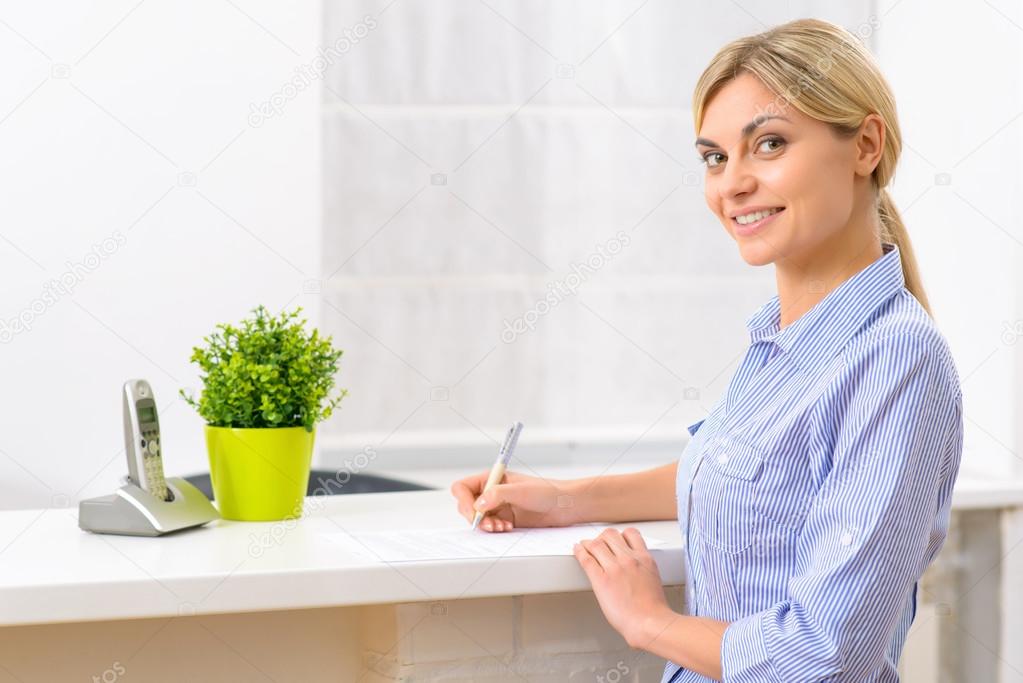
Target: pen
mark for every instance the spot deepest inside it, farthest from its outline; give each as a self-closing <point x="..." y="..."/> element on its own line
<point x="497" y="471"/>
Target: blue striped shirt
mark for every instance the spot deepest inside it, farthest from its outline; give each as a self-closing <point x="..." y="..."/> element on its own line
<point x="818" y="489"/>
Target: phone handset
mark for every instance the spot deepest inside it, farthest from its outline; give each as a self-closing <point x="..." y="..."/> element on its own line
<point x="142" y="439"/>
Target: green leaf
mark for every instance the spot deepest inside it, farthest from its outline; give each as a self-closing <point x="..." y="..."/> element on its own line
<point x="266" y="371"/>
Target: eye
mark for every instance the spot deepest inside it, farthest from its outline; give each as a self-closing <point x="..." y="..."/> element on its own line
<point x="773" y="139"/>
<point x="706" y="158"/>
<point x="709" y="159"/>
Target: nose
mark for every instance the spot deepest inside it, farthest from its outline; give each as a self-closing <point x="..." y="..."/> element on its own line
<point x="736" y="179"/>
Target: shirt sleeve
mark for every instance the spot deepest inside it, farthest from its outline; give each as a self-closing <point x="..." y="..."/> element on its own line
<point x="871" y="526"/>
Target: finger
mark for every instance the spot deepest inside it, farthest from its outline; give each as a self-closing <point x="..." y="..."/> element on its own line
<point x="467" y="490"/>
<point x="634" y="539"/>
<point x="599" y="549"/>
<point x="495" y="521"/>
<point x="499" y="525"/>
<point x="493" y="497"/>
<point x="615" y="542"/>
<point x="587" y="562"/>
<point x="465" y="497"/>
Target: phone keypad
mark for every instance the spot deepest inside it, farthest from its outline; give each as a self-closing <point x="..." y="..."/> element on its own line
<point x="153" y="463"/>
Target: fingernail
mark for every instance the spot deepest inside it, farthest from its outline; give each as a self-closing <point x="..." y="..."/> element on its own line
<point x="479" y="504"/>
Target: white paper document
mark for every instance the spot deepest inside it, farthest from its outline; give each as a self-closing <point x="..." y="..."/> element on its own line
<point x="417" y="545"/>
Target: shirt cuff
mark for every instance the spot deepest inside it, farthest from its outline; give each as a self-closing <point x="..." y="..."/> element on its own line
<point x="744" y="657"/>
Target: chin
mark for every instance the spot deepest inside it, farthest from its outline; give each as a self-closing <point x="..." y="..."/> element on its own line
<point x="756" y="252"/>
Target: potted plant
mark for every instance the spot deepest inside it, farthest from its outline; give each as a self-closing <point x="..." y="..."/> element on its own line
<point x="266" y="383"/>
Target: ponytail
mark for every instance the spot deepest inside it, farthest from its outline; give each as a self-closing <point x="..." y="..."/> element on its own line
<point x="894" y="230"/>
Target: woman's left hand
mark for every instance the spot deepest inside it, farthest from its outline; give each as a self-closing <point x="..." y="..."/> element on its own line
<point x="626" y="582"/>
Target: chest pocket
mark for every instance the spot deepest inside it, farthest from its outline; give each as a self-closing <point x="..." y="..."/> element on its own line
<point x="724" y="494"/>
<point x="749" y="494"/>
<point x="746" y="494"/>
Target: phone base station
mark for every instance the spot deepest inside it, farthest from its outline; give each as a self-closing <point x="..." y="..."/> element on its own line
<point x="133" y="511"/>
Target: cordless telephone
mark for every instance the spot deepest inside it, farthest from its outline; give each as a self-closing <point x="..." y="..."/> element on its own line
<point x="147" y="504"/>
<point x="142" y="439"/>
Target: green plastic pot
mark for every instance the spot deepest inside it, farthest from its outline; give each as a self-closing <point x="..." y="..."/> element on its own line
<point x="259" y="475"/>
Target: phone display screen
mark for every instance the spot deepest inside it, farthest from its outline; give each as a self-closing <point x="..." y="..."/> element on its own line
<point x="147" y="413"/>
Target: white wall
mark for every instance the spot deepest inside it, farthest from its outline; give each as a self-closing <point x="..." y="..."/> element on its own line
<point x="956" y="71"/>
<point x="555" y="126"/>
<point x="130" y="122"/>
<point x="961" y="110"/>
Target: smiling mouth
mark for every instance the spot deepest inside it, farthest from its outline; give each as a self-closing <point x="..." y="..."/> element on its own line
<point x="756" y="217"/>
<point x="756" y="220"/>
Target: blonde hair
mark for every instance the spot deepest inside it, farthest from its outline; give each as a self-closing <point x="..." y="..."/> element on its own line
<point x="825" y="72"/>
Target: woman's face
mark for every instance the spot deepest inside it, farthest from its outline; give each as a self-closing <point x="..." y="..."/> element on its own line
<point x="793" y="163"/>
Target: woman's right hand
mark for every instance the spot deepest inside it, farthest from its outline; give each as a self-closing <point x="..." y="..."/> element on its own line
<point x="518" y="501"/>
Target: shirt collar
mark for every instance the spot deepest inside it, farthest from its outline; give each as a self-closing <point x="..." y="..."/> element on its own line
<point x="824" y="329"/>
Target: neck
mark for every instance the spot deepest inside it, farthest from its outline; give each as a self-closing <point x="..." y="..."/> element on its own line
<point x="805" y="279"/>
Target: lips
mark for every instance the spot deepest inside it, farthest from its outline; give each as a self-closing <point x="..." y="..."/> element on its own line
<point x="750" y="228"/>
<point x="760" y="212"/>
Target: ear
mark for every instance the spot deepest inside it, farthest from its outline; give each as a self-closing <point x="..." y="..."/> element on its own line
<point x="870" y="141"/>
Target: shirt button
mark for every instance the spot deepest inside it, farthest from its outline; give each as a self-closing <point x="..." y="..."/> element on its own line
<point x="723" y="459"/>
<point x="846" y="539"/>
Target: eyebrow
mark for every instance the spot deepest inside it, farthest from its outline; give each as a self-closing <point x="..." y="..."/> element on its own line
<point x="746" y="130"/>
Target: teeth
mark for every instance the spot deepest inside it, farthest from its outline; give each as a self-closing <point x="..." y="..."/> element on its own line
<point x="754" y="217"/>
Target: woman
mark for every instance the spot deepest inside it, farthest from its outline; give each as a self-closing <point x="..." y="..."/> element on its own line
<point x="817" y="490"/>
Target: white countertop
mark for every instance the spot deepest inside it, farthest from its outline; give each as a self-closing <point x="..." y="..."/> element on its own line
<point x="973" y="493"/>
<point x="52" y="571"/>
